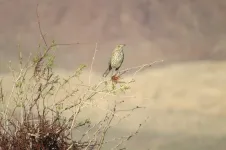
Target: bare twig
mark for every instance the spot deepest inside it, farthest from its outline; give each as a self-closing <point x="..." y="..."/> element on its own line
<point x="139" y="67"/>
<point x="1" y="91"/>
<point x="39" y="26"/>
<point x="127" y="138"/>
<point x="91" y="67"/>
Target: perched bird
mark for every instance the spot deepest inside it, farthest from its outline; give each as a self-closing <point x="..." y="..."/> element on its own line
<point x="116" y="59"/>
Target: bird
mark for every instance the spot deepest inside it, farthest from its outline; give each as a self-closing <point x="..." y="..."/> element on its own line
<point x="116" y="59"/>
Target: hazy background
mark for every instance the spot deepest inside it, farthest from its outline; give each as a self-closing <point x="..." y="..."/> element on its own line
<point x="185" y="95"/>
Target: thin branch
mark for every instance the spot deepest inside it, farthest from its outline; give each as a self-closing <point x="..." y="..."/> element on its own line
<point x="127" y="138"/>
<point x="139" y="67"/>
<point x="1" y="91"/>
<point x="39" y="26"/>
<point x="91" y="68"/>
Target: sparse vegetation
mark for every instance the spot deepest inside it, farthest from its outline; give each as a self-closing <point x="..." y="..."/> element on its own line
<point x="36" y="123"/>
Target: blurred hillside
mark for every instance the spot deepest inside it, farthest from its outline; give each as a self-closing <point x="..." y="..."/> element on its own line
<point x="153" y="29"/>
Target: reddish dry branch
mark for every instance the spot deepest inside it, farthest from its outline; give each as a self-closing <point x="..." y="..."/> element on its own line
<point x="115" y="78"/>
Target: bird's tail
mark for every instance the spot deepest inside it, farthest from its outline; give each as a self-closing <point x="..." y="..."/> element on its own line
<point x="106" y="72"/>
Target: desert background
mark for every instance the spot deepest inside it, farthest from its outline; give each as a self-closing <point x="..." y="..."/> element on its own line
<point x="184" y="95"/>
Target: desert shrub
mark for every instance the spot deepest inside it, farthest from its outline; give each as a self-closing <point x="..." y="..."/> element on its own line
<point x="33" y="114"/>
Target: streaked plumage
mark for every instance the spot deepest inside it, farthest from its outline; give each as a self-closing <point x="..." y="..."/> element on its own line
<point x="116" y="59"/>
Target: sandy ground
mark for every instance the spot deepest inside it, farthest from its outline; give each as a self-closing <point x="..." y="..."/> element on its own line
<point x="185" y="104"/>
